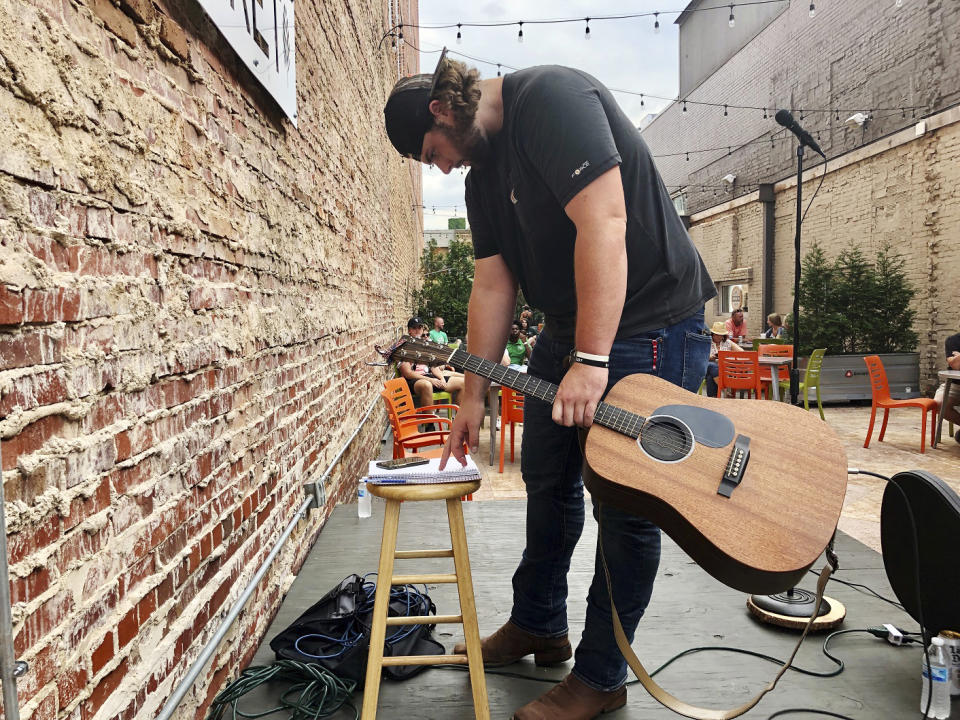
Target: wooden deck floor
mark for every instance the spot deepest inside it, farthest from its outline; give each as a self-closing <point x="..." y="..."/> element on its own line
<point x="688" y="609"/>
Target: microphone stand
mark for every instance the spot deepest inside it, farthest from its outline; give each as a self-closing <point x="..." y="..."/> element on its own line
<point x="794" y="370"/>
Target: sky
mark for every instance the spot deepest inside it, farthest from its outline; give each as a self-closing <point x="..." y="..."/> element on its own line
<point x="623" y="54"/>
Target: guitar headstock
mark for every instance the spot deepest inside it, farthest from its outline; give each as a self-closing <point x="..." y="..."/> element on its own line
<point x="417" y="350"/>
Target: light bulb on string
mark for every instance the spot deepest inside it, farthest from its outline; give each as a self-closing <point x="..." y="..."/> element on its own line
<point x="764" y="113"/>
<point x="813" y="10"/>
<point x="684" y="105"/>
<point x="498" y="69"/>
<point x="656" y="23"/>
<point x="732" y="21"/>
<point x="586" y="33"/>
<point x="520" y="34"/>
<point x="641" y="99"/>
<point x="459" y="36"/>
<point x="400" y="32"/>
<point x="724" y="110"/>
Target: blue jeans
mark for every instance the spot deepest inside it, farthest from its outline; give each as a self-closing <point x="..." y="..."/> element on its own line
<point x="713" y="370"/>
<point x="551" y="462"/>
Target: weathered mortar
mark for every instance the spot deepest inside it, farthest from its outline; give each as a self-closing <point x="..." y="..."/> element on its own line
<point x="189" y="287"/>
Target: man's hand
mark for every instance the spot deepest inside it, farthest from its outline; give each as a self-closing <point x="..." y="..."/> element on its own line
<point x="953" y="362"/>
<point x="437" y="383"/>
<point x="580" y="392"/>
<point x="465" y="429"/>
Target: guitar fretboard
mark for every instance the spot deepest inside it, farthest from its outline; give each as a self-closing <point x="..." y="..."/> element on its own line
<point x="609" y="416"/>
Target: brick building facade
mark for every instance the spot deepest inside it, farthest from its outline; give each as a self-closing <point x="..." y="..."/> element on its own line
<point x="888" y="180"/>
<point x="189" y="289"/>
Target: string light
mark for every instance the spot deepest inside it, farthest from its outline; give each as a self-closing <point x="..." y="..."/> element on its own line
<point x="641" y="99"/>
<point x="520" y="34"/>
<point x="731" y="22"/>
<point x="656" y="23"/>
<point x="813" y="10"/>
<point x="586" y="34"/>
<point x="459" y="36"/>
<point x="724" y="110"/>
<point x="803" y="112"/>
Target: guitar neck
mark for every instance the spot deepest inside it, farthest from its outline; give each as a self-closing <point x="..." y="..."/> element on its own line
<point x="622" y="421"/>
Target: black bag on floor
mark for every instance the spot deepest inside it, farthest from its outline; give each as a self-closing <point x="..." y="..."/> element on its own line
<point x="335" y="632"/>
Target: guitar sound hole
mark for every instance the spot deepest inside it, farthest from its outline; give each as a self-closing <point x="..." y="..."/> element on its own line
<point x="666" y="439"/>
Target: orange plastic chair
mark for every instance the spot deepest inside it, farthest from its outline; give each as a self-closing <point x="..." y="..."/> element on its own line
<point x="881" y="399"/>
<point x="406" y="421"/>
<point x="774" y="350"/>
<point x="511" y="412"/>
<point x="739" y="370"/>
<point x="400" y="393"/>
<point x="408" y="438"/>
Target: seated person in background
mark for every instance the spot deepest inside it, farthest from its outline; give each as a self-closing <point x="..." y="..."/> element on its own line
<point x="516" y="347"/>
<point x="736" y="325"/>
<point x="720" y="341"/>
<point x="775" y="327"/>
<point x="423" y="380"/>
<point x="437" y="334"/>
<point x="951" y="413"/>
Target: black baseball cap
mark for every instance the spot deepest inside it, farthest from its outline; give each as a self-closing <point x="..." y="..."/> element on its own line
<point x="407" y="112"/>
<point x="415" y="322"/>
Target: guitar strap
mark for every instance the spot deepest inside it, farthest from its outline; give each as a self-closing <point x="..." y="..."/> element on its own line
<point x="674" y="703"/>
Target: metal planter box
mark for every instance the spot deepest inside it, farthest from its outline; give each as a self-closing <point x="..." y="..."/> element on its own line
<point x="844" y="377"/>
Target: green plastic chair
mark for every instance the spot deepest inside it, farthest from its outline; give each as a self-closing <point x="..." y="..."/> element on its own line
<point x="757" y="342"/>
<point x="811" y="379"/>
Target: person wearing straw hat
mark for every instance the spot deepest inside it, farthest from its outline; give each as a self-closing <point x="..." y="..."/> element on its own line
<point x="720" y="340"/>
<point x="565" y="202"/>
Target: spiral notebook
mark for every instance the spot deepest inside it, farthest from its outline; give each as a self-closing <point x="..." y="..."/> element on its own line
<point x="427" y="474"/>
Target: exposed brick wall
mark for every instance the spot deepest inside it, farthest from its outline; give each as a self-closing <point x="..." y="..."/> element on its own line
<point x="854" y="55"/>
<point x="907" y="196"/>
<point x="189" y="287"/>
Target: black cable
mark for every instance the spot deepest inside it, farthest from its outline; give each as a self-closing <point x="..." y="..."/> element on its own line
<point x="862" y="588"/>
<point x="809" y="711"/>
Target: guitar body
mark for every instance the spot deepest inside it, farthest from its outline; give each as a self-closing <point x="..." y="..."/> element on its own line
<point x="776" y="521"/>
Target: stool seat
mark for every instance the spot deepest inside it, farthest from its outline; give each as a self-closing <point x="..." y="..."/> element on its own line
<point x="395" y="495"/>
<point x="426" y="491"/>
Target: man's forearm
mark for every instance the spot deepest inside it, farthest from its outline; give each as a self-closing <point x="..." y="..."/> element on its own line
<point x="601" y="273"/>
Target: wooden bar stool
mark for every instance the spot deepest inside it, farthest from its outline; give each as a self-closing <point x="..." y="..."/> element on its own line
<point x="394" y="495"/>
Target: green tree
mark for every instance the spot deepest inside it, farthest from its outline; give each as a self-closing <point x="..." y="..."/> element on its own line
<point x="853" y="305"/>
<point x="447" y="280"/>
<point x="456" y="223"/>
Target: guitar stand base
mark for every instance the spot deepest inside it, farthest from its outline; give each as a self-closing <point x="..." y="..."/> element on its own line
<point x="792" y="609"/>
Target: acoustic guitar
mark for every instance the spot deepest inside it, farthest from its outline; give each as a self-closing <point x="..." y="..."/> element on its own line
<point x="751" y="490"/>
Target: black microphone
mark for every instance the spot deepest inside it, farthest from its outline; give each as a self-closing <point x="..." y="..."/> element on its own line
<point x="786" y="119"/>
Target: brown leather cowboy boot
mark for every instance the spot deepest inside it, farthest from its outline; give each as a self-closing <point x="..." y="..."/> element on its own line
<point x="572" y="700"/>
<point x="510" y="643"/>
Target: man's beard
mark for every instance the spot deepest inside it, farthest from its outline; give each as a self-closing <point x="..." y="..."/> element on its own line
<point x="471" y="142"/>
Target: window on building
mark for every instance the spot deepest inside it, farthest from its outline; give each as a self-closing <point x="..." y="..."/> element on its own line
<point x="733" y="295"/>
<point x="680" y="203"/>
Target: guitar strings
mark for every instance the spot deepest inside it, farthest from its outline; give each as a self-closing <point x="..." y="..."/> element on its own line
<point x="624" y="422"/>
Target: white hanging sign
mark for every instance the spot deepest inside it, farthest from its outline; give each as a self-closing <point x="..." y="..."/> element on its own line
<point x="262" y="34"/>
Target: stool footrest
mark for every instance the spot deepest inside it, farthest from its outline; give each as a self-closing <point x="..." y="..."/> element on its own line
<point x="425" y="620"/>
<point x="429" y="578"/>
<point x="407" y="554"/>
<point x="426" y="660"/>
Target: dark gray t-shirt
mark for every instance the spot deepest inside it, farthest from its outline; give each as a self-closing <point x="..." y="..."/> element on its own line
<point x="561" y="130"/>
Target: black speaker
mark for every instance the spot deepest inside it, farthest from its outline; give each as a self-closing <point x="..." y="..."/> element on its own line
<point x="936" y="512"/>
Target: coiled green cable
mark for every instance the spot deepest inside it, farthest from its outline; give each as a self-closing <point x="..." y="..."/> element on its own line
<point x="314" y="692"/>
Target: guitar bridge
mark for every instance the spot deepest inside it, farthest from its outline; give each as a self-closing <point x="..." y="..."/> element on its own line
<point x="736" y="466"/>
